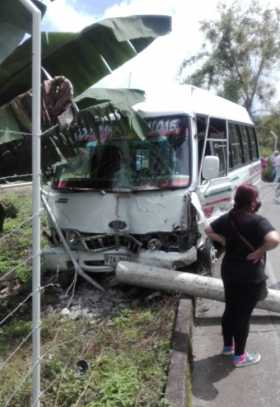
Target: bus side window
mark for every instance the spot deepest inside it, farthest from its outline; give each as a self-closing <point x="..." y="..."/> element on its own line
<point x="245" y="144"/>
<point x="218" y="142"/>
<point x="253" y="144"/>
<point x="235" y="147"/>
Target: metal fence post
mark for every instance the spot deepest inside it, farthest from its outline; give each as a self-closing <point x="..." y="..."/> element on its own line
<point x="36" y="202"/>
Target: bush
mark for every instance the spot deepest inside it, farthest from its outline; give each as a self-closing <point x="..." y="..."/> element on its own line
<point x="267" y="173"/>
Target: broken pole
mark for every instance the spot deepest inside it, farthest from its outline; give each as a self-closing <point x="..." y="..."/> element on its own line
<point x="183" y="282"/>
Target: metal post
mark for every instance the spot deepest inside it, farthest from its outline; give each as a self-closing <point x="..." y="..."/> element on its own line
<point x="36" y="203"/>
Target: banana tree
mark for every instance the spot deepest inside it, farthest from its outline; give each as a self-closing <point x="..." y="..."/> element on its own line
<point x="83" y="58"/>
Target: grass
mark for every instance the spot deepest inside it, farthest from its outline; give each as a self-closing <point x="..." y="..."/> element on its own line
<point x="127" y="353"/>
<point x="16" y="241"/>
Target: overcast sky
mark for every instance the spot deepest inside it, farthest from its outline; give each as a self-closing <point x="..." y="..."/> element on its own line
<point x="159" y="63"/>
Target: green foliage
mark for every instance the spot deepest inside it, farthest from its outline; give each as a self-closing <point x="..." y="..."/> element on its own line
<point x="242" y="47"/>
<point x="268" y="125"/>
<point x="16" y="246"/>
<point x="127" y="354"/>
<point x="120" y="383"/>
<point x="17" y="329"/>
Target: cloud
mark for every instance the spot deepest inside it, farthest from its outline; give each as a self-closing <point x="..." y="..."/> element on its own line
<point x="125" y="8"/>
<point x="158" y="65"/>
<point x="66" y="15"/>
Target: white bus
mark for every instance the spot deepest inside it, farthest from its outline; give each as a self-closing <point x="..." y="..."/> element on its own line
<point x="148" y="200"/>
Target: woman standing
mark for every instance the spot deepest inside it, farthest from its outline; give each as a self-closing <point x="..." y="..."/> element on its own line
<point x="246" y="237"/>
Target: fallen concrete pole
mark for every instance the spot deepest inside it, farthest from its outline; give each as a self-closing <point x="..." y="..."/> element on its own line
<point x="183" y="282"/>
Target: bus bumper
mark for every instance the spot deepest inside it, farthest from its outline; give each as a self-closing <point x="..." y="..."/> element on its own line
<point x="56" y="259"/>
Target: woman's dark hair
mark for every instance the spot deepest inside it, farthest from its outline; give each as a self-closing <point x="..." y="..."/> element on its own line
<point x="245" y="197"/>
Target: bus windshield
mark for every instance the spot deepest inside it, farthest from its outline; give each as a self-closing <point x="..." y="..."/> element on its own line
<point x="113" y="162"/>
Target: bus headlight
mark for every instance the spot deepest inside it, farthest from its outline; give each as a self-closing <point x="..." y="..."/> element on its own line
<point x="154" y="244"/>
<point x="73" y="238"/>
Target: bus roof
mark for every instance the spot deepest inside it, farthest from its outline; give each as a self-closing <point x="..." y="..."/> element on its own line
<point x="188" y="99"/>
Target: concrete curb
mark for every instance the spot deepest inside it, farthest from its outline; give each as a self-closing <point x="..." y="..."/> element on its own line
<point x="178" y="389"/>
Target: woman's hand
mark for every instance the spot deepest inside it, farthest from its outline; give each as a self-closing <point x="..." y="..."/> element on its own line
<point x="215" y="236"/>
<point x="271" y="240"/>
<point x="257" y="255"/>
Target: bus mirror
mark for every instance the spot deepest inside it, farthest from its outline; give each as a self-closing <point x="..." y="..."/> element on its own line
<point x="211" y="165"/>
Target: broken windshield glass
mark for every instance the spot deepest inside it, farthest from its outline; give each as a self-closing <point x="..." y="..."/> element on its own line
<point x="110" y="159"/>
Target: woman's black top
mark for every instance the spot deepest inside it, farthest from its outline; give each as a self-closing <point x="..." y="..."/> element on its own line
<point x="235" y="267"/>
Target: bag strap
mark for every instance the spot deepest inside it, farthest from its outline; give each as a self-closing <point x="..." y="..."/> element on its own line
<point x="241" y="237"/>
<point x="245" y="241"/>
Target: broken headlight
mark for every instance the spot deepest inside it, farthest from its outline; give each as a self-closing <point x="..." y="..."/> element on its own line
<point x="73" y="238"/>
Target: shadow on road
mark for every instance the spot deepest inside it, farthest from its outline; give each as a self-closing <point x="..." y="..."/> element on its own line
<point x="207" y="372"/>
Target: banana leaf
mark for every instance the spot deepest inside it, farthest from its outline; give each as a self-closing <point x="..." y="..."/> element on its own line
<point x="121" y="99"/>
<point x="84" y="57"/>
<point x="15" y="22"/>
<point x="10" y="129"/>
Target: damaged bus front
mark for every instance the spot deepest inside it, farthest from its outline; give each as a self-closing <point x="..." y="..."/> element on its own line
<point x="125" y="198"/>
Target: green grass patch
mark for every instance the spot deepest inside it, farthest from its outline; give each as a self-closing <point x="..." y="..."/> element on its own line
<point x="127" y="355"/>
<point x="16" y="240"/>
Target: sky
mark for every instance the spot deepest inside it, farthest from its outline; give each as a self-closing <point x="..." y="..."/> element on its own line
<point x="158" y="65"/>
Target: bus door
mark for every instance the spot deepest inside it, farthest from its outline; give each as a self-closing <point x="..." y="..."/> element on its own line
<point x="215" y="194"/>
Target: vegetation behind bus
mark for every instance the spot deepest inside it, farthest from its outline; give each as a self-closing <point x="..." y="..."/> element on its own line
<point x="240" y="54"/>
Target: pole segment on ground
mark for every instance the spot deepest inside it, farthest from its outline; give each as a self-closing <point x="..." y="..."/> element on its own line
<point x="183" y="282"/>
<point x="36" y="203"/>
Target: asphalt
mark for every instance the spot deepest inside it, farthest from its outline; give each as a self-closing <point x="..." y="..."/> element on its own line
<point x="215" y="381"/>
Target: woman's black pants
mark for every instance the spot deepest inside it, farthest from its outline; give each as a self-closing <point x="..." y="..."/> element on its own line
<point x="240" y="300"/>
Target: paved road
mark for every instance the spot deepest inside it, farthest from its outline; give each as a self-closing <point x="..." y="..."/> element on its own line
<point x="215" y="381"/>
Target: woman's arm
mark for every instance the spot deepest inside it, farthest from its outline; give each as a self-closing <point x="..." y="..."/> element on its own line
<point x="215" y="236"/>
<point x="271" y="240"/>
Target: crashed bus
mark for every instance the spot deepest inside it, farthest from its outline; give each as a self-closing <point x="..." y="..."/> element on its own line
<point x="147" y="199"/>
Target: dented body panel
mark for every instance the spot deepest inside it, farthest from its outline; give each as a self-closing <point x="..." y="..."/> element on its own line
<point x="142" y="212"/>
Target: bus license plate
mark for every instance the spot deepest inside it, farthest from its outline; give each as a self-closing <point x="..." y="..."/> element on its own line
<point x="113" y="259"/>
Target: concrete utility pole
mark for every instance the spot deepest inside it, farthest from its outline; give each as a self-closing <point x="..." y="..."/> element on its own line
<point x="182" y="282"/>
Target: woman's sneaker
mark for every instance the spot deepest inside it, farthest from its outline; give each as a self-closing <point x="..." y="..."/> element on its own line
<point x="246" y="359"/>
<point x="228" y="350"/>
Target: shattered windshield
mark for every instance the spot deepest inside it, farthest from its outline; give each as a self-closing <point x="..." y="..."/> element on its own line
<point x="111" y="160"/>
